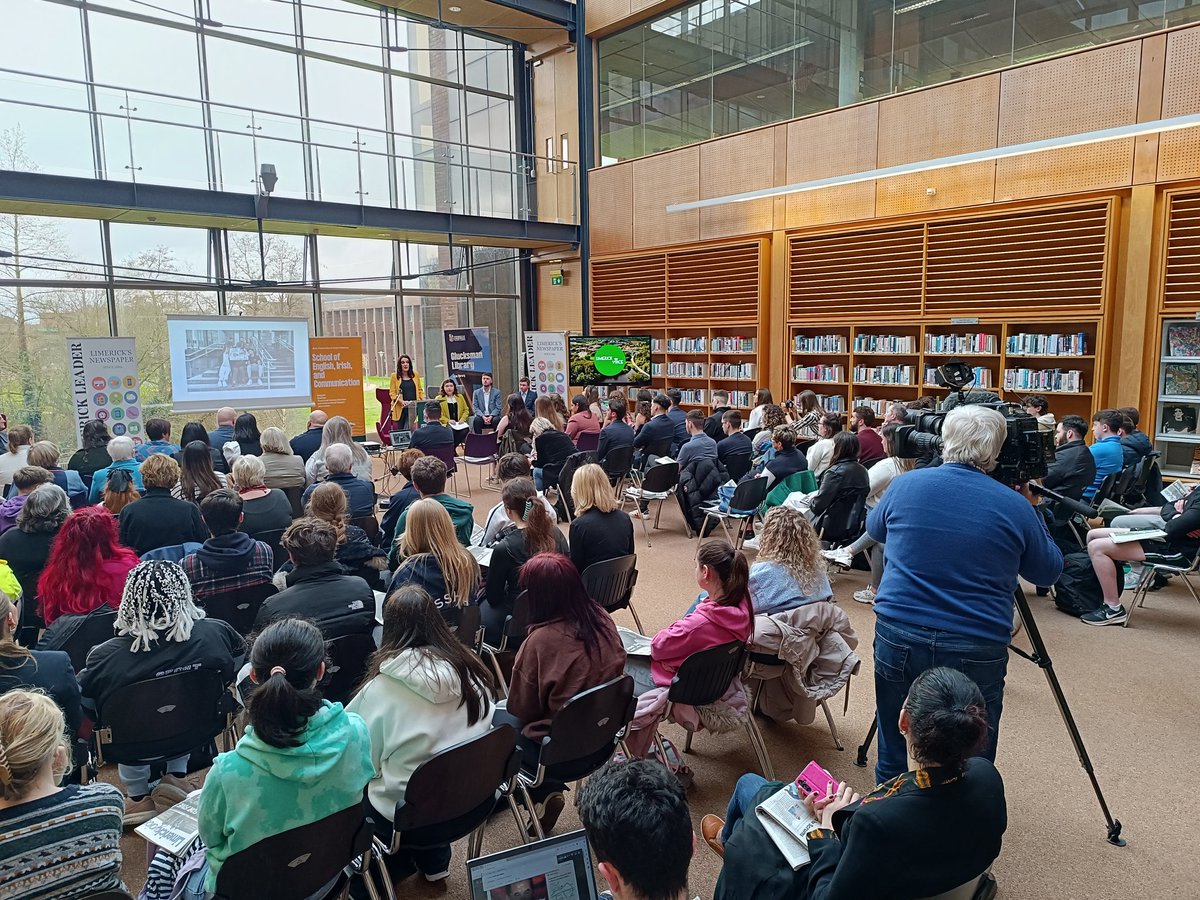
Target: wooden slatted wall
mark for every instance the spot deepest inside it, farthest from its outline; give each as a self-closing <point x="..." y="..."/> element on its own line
<point x="856" y="274"/>
<point x="629" y="293"/>
<point x="1181" y="283"/>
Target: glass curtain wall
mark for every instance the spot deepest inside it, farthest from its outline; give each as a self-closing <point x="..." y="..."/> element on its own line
<point x="81" y="278"/>
<point x="717" y="67"/>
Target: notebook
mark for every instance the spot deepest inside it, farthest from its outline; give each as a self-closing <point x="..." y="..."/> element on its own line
<point x="558" y="868"/>
<point x="1129" y="535"/>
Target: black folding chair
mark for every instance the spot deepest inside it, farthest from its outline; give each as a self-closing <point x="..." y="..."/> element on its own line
<point x="703" y="678"/>
<point x="617" y="462"/>
<point x="348" y="656"/>
<point x="469" y="628"/>
<point x="512" y="633"/>
<point x="842" y="521"/>
<point x="93" y="629"/>
<point x="738" y="464"/>
<point x="587" y="441"/>
<point x="272" y="539"/>
<point x="302" y="861"/>
<point x="239" y="608"/>
<point x="583" y="735"/>
<point x="370" y="525"/>
<point x="441" y="805"/>
<point x="748" y="498"/>
<point x="294" y="494"/>
<point x="658" y="483"/>
<point x="610" y="583"/>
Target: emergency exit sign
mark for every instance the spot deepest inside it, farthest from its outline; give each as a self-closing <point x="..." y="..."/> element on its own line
<point x="556" y="278"/>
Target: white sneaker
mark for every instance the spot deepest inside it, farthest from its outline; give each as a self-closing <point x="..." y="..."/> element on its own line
<point x="866" y="595"/>
<point x="638" y="514"/>
<point x="750" y="543"/>
<point x="840" y="556"/>
<point x="1132" y="577"/>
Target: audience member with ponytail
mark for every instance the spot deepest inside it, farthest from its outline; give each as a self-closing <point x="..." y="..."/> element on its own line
<point x="160" y="632"/>
<point x="424" y="691"/>
<point x="948" y="811"/>
<point x="532" y="532"/>
<point x="54" y="841"/>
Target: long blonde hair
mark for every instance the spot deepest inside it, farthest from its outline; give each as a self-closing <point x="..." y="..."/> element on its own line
<point x="544" y="408"/>
<point x="32" y="728"/>
<point x="428" y="529"/>
<point x="328" y="503"/>
<point x="789" y="540"/>
<point x="590" y="489"/>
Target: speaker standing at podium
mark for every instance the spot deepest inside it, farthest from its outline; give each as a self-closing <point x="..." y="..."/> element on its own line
<point x="406" y="387"/>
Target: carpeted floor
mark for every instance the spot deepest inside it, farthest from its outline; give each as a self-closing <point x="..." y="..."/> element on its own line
<point x="1133" y="692"/>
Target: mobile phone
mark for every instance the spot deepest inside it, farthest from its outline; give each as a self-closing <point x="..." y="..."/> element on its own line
<point x="815" y="778"/>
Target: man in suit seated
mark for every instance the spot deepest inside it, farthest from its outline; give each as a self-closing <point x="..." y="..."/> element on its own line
<point x="676" y="414"/>
<point x="432" y="434"/>
<point x="485" y="404"/>
<point x="306" y="444"/>
<point x="714" y="424"/>
<point x="360" y="495"/>
<point x="734" y="445"/>
<point x="616" y="433"/>
<point x="658" y="433"/>
<point x="528" y="396"/>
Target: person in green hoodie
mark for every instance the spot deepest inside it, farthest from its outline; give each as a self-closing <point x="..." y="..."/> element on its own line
<point x="429" y="478"/>
<point x="301" y="759"/>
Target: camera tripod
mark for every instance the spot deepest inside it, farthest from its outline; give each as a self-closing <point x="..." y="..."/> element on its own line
<point x="1040" y="657"/>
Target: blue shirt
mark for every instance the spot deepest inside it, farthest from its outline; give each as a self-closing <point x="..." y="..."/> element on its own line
<point x="956" y="541"/>
<point x="100" y="478"/>
<point x="698" y="445"/>
<point x="1109" y="458"/>
<point x="148" y="449"/>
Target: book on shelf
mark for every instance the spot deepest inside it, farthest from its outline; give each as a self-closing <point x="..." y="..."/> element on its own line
<point x="1053" y="380"/>
<point x="879" y="407"/>
<point x="687" y="345"/>
<point x="656" y="345"/>
<point x="819" y="373"/>
<point x="884" y="343"/>
<point x="1194" y="469"/>
<point x="832" y="403"/>
<point x="735" y="371"/>
<point x="692" y="398"/>
<point x="735" y="344"/>
<point x="883" y="374"/>
<point x="820" y="343"/>
<point x="1181" y="378"/>
<point x="1183" y="339"/>
<point x="656" y="370"/>
<point x="687" y="370"/>
<point x="1027" y="344"/>
<point x="739" y="399"/>
<point x="965" y="344"/>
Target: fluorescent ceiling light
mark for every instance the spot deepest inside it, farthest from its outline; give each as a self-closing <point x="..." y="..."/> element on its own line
<point x="917" y="5"/>
<point x="946" y="162"/>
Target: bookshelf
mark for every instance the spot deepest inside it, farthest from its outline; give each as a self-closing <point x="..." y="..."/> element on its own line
<point x="1178" y="407"/>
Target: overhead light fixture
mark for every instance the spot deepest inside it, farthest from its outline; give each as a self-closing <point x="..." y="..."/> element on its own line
<point x="1158" y="126"/>
<point x="910" y="7"/>
<point x="458" y="9"/>
<point x="760" y="96"/>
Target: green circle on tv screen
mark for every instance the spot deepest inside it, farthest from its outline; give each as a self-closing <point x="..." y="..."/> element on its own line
<point x="610" y="360"/>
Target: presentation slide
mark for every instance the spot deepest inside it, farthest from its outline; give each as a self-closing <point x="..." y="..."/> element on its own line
<point x="246" y="363"/>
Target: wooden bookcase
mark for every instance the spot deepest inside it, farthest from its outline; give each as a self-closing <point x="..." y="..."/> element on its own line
<point x="1176" y="434"/>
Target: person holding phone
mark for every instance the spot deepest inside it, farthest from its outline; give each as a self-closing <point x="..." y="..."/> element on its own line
<point x="949" y="799"/>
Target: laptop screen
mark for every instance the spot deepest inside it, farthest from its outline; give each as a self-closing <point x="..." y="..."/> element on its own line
<point x="558" y="868"/>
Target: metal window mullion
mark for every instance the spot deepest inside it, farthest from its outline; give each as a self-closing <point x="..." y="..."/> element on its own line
<point x="110" y="292"/>
<point x="218" y="247"/>
<point x="93" y="102"/>
<point x="311" y="166"/>
<point x="318" y="299"/>
<point x="212" y="150"/>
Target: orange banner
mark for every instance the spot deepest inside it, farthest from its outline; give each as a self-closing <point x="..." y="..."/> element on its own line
<point x="337" y="379"/>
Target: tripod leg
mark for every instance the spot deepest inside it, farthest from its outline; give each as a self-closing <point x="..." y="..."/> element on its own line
<point x="861" y="759"/>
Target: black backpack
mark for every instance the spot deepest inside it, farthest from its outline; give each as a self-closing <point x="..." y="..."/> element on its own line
<point x="1077" y="590"/>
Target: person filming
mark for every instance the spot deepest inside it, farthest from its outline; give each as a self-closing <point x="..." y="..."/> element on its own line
<point x="957" y="539"/>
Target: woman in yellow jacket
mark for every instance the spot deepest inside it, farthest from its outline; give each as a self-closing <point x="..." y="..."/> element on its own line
<point x="455" y="409"/>
<point x="406" y="385"/>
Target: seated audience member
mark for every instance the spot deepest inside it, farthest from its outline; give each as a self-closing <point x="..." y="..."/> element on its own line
<point x="678" y="417"/>
<point x="424" y="692"/>
<point x="583" y="420"/>
<point x="197" y="477"/>
<point x="712" y="425"/>
<point x="338" y="431"/>
<point x="119" y="492"/>
<point x="809" y="414"/>
<point x="429" y="478"/>
<point x="25" y="480"/>
<point x="302" y="758"/>
<point x="657" y="434"/>
<point x="264" y="509"/>
<point x="223" y="433"/>
<point x="845" y="474"/>
<point x="617" y="432"/>
<point x="305" y="444"/>
<point x="636" y="817"/>
<point x="1039" y="407"/>
<point x="733" y="441"/>
<point x="697" y="444"/>
<point x="357" y="555"/>
<point x="513" y="430"/>
<point x="160" y="632"/>
<point x="26" y="548"/>
<point x="534" y="532"/>
<point x="20" y="440"/>
<point x="600" y="529"/>
<point x="43" y="670"/>
<point x="787" y="460"/>
<point x="572" y="645"/>
<point x="820" y="454"/>
<point x="158" y="519"/>
<point x="1135" y="444"/>
<point x="758" y="408"/>
<point x="546" y="408"/>
<point x="194" y="431"/>
<point x="338" y="463"/>
<point x="93" y="455"/>
<point x="773" y="416"/>
<point x="54" y="841"/>
<point x="120" y="449"/>
<point x="87" y="567"/>
<point x="246" y="436"/>
<point x="510" y="466"/>
<point x="435" y="561"/>
<point x="282" y="468"/>
<point x="551" y="448"/>
<point x="316" y="586"/>
<point x="870" y="442"/>
<point x="46" y="455"/>
<point x="402" y="499"/>
<point x="230" y="559"/>
<point x="158" y="432"/>
<point x="1074" y="468"/>
<point x="949" y="798"/>
<point x="1106" y="449"/>
<point x="788" y="571"/>
<point x="592" y="393"/>
<point x="485" y="405"/>
<point x="432" y="434"/>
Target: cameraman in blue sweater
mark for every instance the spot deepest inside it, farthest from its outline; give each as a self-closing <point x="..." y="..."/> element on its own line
<point x="957" y="539"/>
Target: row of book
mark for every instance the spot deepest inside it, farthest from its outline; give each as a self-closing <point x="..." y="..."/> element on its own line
<point x="884" y="343"/>
<point x="983" y="377"/>
<point x="685" y="345"/>
<point x="740" y="399"/>
<point x="1046" y="344"/>
<point x="819" y="343"/>
<point x="831" y="403"/>
<point x="818" y="373"/>
<point x="1054" y="380"/>
<point x="736" y="371"/>
<point x="883" y="374"/>
<point x="879" y="407"/>
<point x="735" y="344"/>
<point x="960" y="343"/>
<point x="687" y="370"/>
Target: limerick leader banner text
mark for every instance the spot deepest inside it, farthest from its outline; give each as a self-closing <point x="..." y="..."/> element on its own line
<point x="105" y="385"/>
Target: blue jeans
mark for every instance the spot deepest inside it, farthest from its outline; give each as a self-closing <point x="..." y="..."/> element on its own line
<point x="741" y="803"/>
<point x="902" y="652"/>
<point x="537" y="479"/>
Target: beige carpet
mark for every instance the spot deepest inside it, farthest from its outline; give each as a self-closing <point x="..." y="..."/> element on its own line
<point x="1133" y="692"/>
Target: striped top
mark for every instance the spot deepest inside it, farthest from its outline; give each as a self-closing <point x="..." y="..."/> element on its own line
<point x="64" y="845"/>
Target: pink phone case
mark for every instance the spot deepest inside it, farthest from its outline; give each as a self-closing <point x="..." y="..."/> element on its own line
<point x="815" y="778"/>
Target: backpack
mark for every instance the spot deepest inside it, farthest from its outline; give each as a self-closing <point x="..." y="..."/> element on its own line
<point x="1077" y="590"/>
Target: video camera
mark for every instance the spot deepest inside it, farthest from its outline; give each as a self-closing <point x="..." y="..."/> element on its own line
<point x="1025" y="455"/>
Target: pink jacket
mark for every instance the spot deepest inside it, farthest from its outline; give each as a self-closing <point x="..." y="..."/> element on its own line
<point x="582" y="422"/>
<point x="710" y="625"/>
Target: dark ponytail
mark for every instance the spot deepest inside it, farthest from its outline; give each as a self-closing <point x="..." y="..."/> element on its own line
<point x="731" y="567"/>
<point x="285" y="658"/>
<point x="947" y="718"/>
<point x="521" y="498"/>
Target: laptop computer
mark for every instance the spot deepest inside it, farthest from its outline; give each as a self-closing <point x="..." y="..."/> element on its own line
<point x="557" y="868"/>
<point x="400" y="439"/>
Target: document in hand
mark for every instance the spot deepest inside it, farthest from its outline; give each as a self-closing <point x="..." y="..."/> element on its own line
<point x="787" y="822"/>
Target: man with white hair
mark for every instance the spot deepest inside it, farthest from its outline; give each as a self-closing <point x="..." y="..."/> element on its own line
<point x="120" y="451"/>
<point x="360" y="495"/>
<point x="956" y="541"/>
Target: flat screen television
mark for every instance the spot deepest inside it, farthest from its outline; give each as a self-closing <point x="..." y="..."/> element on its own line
<point x="609" y="360"/>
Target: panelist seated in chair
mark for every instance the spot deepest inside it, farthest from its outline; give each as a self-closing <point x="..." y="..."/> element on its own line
<point x="927" y="831"/>
<point x="433" y="433"/>
<point x="485" y="405"/>
<point x="424" y="691"/>
<point x="160" y="632"/>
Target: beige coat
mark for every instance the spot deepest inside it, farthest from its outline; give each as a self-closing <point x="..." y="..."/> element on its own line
<point x="815" y="645"/>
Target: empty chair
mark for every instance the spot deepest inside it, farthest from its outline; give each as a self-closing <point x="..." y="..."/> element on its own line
<point x="347" y="665"/>
<point x="512" y="633"/>
<point x="481" y="450"/>
<point x="610" y="583"/>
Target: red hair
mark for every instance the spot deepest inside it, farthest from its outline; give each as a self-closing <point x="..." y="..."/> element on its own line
<point x="556" y="591"/>
<point x="87" y="566"/>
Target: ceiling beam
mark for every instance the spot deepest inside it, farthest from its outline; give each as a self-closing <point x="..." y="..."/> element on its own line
<point x="558" y="12"/>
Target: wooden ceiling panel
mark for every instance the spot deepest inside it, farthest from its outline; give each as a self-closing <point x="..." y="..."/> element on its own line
<point x="913" y="127"/>
<point x="724" y="170"/>
<point x="1179" y="151"/>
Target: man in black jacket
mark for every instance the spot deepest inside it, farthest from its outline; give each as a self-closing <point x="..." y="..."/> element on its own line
<point x="158" y="519"/>
<point x="1135" y="444"/>
<point x="677" y="416"/>
<point x="788" y="460"/>
<point x="306" y="444"/>
<point x="316" y="588"/>
<point x="1074" y="467"/>
<point x="733" y="446"/>
<point x="712" y="425"/>
<point x="616" y="433"/>
<point x="528" y="397"/>
<point x="658" y="434"/>
<point x="432" y="434"/>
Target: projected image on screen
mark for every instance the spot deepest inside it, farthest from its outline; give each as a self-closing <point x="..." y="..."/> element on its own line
<point x="621" y="359"/>
<point x="241" y="362"/>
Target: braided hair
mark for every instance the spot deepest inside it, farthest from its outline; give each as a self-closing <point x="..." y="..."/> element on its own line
<point x="157" y="601"/>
